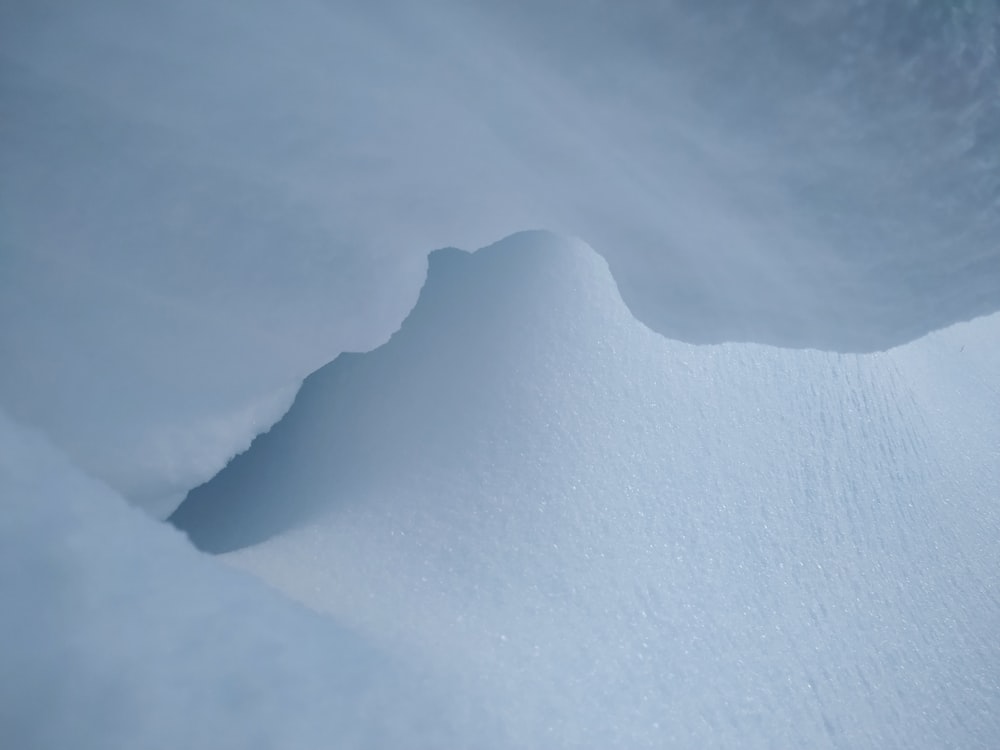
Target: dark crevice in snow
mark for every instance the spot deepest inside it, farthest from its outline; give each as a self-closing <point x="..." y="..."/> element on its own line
<point x="216" y="515"/>
<point x="471" y="313"/>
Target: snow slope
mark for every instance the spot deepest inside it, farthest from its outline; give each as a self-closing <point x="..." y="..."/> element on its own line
<point x="117" y="634"/>
<point x="627" y="541"/>
<point x="202" y="201"/>
<point x="527" y="520"/>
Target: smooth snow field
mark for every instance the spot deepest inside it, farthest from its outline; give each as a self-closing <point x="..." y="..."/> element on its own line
<point x="701" y="449"/>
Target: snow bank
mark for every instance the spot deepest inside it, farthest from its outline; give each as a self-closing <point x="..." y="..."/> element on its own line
<point x="117" y="634"/>
<point x="201" y="203"/>
<point x="574" y="530"/>
<point x="623" y="540"/>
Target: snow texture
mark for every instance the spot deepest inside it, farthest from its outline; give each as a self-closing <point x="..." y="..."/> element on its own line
<point x="117" y="634"/>
<point x="525" y="519"/>
<point x="201" y="201"/>
<point x="628" y="541"/>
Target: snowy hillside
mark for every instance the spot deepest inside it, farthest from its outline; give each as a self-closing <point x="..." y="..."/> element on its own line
<point x="210" y="200"/>
<point x="721" y="472"/>
<point x="118" y="635"/>
<point x="627" y="541"/>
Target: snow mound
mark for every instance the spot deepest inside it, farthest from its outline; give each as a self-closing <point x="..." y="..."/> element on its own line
<point x="622" y="540"/>
<point x="117" y="634"/>
<point x="201" y="203"/>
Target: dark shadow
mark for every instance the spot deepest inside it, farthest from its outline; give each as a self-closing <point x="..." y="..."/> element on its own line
<point x="225" y="514"/>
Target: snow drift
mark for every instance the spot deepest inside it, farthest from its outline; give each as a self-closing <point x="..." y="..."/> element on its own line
<point x="117" y="634"/>
<point x="628" y="541"/>
<point x="203" y="202"/>
<point x="532" y="521"/>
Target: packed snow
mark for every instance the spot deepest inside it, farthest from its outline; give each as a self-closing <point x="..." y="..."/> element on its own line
<point x="202" y="202"/>
<point x="721" y="473"/>
<point x="117" y="634"/>
<point x="635" y="542"/>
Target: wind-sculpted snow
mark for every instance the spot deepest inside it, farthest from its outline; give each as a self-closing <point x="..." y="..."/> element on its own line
<point x="201" y="202"/>
<point x="117" y="634"/>
<point x="626" y="541"/>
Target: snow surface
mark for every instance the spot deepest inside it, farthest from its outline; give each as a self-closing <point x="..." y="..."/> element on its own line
<point x="117" y="634"/>
<point x="628" y="541"/>
<point x="527" y="520"/>
<point x="202" y="201"/>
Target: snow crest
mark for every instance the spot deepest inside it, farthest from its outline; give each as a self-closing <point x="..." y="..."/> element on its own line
<point x="628" y="541"/>
<point x="201" y="204"/>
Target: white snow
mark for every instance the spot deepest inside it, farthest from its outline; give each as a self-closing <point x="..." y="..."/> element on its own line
<point x="117" y="634"/>
<point x="203" y="202"/>
<point x="528" y="519"/>
<point x="631" y="541"/>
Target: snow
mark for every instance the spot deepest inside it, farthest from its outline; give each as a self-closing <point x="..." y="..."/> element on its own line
<point x="117" y="634"/>
<point x="205" y="202"/>
<point x="579" y="498"/>
<point x="631" y="541"/>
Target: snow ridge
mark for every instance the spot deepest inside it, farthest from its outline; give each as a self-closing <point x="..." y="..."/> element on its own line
<point x="622" y="539"/>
